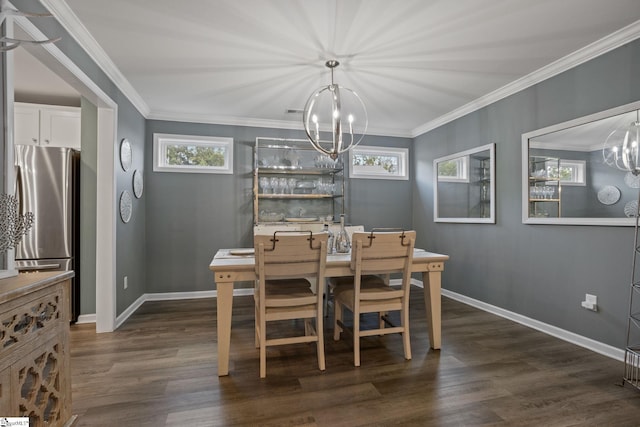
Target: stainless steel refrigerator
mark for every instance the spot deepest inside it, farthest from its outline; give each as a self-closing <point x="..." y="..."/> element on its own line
<point x="47" y="184"/>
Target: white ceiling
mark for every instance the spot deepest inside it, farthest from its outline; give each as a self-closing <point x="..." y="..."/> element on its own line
<point x="413" y="62"/>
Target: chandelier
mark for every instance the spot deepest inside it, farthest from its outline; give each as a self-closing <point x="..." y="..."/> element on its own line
<point x="621" y="148"/>
<point x="338" y="108"/>
<point x="7" y="12"/>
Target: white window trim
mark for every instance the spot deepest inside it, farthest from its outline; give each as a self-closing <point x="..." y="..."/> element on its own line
<point x="401" y="153"/>
<point x="463" y="169"/>
<point x="580" y="176"/>
<point x="162" y="140"/>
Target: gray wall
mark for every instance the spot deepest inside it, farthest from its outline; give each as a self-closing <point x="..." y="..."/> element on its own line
<point x="131" y="237"/>
<point x="539" y="271"/>
<point x="192" y="215"/>
<point x="88" y="183"/>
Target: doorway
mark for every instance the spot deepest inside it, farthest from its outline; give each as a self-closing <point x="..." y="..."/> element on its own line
<point x="99" y="276"/>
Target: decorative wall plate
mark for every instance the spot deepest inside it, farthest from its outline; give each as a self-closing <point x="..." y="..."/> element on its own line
<point x="125" y="154"/>
<point x="126" y="206"/>
<point x="632" y="180"/>
<point x="631" y="209"/>
<point x="608" y="195"/>
<point x="138" y="183"/>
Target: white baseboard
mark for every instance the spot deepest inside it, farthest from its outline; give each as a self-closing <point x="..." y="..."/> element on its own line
<point x="86" y="318"/>
<point x="162" y="296"/>
<point x="129" y="311"/>
<point x="588" y="343"/>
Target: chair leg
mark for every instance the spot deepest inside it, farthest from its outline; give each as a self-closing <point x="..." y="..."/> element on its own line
<point x="356" y="340"/>
<point x="337" y="316"/>
<point x="263" y="360"/>
<point x="263" y="348"/>
<point x="381" y="322"/>
<point x="257" y="320"/>
<point x="320" y="342"/>
<point x="406" y="338"/>
<point x="326" y="298"/>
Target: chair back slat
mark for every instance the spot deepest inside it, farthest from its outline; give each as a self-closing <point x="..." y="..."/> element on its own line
<point x="378" y="252"/>
<point x="290" y="255"/>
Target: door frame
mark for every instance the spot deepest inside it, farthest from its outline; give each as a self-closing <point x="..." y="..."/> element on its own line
<point x="51" y="56"/>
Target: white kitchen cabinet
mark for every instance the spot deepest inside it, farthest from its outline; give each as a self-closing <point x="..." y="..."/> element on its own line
<point x="47" y="125"/>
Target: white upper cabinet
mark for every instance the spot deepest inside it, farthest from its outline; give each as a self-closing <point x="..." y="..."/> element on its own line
<point x="47" y="125"/>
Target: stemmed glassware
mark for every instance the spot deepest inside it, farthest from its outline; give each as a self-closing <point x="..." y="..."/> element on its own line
<point x="274" y="184"/>
<point x="545" y="192"/>
<point x="264" y="184"/>
<point x="291" y="183"/>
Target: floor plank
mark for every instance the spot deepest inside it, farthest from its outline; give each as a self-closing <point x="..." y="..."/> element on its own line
<point x="160" y="368"/>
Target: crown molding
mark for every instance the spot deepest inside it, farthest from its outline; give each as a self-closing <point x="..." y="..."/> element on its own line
<point x="172" y="116"/>
<point x="70" y="22"/>
<point x="593" y="50"/>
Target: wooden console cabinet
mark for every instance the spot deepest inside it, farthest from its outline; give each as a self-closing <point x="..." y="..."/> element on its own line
<point x="35" y="378"/>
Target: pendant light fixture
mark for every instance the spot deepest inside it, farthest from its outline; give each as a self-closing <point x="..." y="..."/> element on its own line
<point x="339" y="109"/>
<point x="621" y="148"/>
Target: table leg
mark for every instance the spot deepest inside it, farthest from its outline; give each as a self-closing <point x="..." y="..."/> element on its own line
<point x="431" y="281"/>
<point x="224" y="301"/>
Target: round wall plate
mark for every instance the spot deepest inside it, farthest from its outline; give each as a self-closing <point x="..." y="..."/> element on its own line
<point x="126" y="206"/>
<point x="631" y="209"/>
<point x="608" y="195"/>
<point x="138" y="183"/>
<point x="125" y="154"/>
<point x="632" y="180"/>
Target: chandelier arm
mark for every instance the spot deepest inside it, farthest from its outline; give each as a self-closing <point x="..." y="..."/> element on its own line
<point x="336" y="119"/>
<point x="37" y="42"/>
<point x="8" y="47"/>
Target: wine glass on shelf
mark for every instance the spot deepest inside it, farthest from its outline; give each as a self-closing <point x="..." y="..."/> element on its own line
<point x="273" y="181"/>
<point x="264" y="184"/>
<point x="282" y="185"/>
<point x="291" y="183"/>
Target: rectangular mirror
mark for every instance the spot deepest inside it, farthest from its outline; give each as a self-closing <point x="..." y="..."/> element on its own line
<point x="568" y="177"/>
<point x="464" y="189"/>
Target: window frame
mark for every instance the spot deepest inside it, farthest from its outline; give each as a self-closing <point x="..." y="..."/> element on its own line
<point x="401" y="153"/>
<point x="162" y="140"/>
<point x="462" y="169"/>
<point x="579" y="178"/>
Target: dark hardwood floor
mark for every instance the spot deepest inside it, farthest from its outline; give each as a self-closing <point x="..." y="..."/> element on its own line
<point x="160" y="368"/>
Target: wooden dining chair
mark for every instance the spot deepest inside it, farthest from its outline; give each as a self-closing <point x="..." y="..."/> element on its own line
<point x="285" y="264"/>
<point x="374" y="255"/>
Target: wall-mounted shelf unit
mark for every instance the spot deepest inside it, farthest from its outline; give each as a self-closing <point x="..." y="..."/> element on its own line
<point x="293" y="183"/>
<point x="545" y="189"/>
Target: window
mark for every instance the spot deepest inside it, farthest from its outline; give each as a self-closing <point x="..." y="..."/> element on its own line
<point x="571" y="172"/>
<point x="379" y="163"/>
<point x="454" y="170"/>
<point x="192" y="154"/>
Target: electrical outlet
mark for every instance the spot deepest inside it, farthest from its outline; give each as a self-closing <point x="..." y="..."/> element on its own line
<point x="590" y="302"/>
<point x="126" y="285"/>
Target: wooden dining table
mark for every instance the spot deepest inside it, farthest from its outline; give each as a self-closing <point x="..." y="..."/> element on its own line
<point x="230" y="266"/>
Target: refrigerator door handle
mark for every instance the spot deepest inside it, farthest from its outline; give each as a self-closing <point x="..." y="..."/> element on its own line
<point x="38" y="267"/>
<point x="18" y="189"/>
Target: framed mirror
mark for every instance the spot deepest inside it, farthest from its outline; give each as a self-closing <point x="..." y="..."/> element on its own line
<point x="572" y="175"/>
<point x="464" y="189"/>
